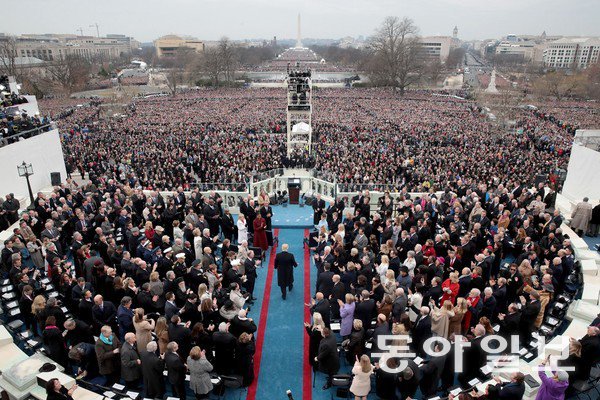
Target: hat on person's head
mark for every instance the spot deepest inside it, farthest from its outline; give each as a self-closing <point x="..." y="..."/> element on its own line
<point x="180" y="255"/>
<point x="178" y="280"/>
<point x="167" y="250"/>
<point x="145" y="242"/>
<point x="235" y="263"/>
<point x="196" y="262"/>
<point x="441" y="260"/>
<point x="562" y="376"/>
<point x="159" y="228"/>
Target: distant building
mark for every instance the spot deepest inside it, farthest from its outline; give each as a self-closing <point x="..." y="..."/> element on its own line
<point x="522" y="50"/>
<point x="51" y="47"/>
<point x="436" y="47"/>
<point x="167" y="46"/>
<point x="571" y="53"/>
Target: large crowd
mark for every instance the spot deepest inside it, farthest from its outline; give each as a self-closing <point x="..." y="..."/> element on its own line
<point x="370" y="138"/>
<point x="166" y="283"/>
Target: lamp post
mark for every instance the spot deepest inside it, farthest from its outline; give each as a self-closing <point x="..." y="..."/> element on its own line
<point x="26" y="170"/>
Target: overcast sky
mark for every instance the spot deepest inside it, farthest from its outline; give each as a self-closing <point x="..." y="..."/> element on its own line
<point x="242" y="19"/>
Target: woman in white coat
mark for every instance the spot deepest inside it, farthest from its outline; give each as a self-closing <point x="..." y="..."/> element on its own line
<point x="242" y="229"/>
<point x="197" y="243"/>
<point x="361" y="383"/>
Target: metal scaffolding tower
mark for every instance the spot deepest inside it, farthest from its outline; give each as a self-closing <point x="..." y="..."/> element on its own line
<point x="299" y="110"/>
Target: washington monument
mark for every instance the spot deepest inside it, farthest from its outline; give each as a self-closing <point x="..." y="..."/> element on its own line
<point x="299" y="38"/>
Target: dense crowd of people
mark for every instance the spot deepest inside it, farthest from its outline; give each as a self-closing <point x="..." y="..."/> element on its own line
<point x="477" y="261"/>
<point x="362" y="138"/>
<point x="166" y="283"/>
<point x="158" y="280"/>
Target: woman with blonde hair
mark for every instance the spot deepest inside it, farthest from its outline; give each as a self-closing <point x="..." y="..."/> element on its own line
<point x="389" y="285"/>
<point x="382" y="268"/>
<point x="455" y="322"/>
<point x="34" y="246"/>
<point x="341" y="231"/>
<point x="197" y="243"/>
<point x="525" y="270"/>
<point x="450" y="287"/>
<point x="355" y="345"/>
<point x="37" y="309"/>
<point x="203" y="292"/>
<point x="162" y="334"/>
<point x="149" y="230"/>
<point x="440" y="318"/>
<point x="155" y="285"/>
<point x="315" y="335"/>
<point x="361" y="383"/>
<point x="410" y="262"/>
<point x="347" y="314"/>
<point x="143" y="329"/>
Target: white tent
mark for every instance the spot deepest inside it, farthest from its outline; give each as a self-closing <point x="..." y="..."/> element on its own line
<point x="301" y="127"/>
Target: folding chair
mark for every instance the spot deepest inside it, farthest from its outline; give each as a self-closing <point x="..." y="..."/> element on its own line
<point x="233" y="382"/>
<point x="342" y="384"/>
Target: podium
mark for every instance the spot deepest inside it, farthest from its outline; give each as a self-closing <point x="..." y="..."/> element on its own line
<point x="294" y="185"/>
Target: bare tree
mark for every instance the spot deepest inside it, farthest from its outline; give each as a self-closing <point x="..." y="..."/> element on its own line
<point x="433" y="70"/>
<point x="219" y="62"/>
<point x="211" y="65"/>
<point x="593" y="81"/>
<point x="455" y="57"/>
<point x="395" y="54"/>
<point x="228" y="58"/>
<point x="559" y="84"/>
<point x="70" y="74"/>
<point x="178" y="67"/>
<point x="8" y="58"/>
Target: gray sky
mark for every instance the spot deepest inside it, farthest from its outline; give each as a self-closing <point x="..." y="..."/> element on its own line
<point x="240" y="19"/>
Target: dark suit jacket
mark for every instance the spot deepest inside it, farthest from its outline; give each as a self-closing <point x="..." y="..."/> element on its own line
<point x="512" y="391"/>
<point x="152" y="372"/>
<point x="77" y="292"/>
<point x="130" y="369"/>
<point x="324" y="309"/>
<point x="421" y="331"/>
<point x="170" y="310"/>
<point x="85" y="311"/>
<point x="284" y="264"/>
<point x="106" y="316"/>
<point x="183" y="337"/>
<point x="529" y="314"/>
<point x="325" y="283"/>
<point x="510" y="325"/>
<point x="365" y="311"/>
<point x="328" y="359"/>
<point x="175" y="367"/>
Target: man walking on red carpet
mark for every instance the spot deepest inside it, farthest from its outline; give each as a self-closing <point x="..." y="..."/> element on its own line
<point x="285" y="264"/>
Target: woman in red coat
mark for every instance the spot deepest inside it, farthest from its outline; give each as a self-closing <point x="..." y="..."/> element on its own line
<point x="260" y="233"/>
<point x="450" y="288"/>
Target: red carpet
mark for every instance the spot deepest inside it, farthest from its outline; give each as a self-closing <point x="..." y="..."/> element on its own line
<point x="264" y="312"/>
<point x="306" y="368"/>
